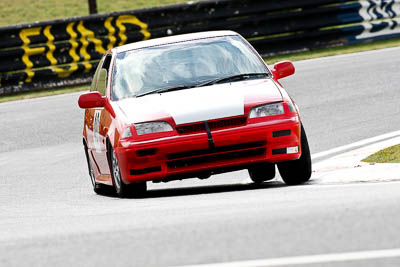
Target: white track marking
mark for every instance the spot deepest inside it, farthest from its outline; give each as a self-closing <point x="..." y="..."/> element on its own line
<point x="344" y="148"/>
<point x="310" y="259"/>
<point x="373" y="184"/>
<point x="356" y="144"/>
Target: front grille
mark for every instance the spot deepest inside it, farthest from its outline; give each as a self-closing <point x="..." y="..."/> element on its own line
<point x="193" y="128"/>
<point x="221" y="149"/>
<point x="218" y="124"/>
<point x="215" y="124"/>
<point x="215" y="157"/>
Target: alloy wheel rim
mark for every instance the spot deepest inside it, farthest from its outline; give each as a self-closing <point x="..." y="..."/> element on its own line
<point x="116" y="171"/>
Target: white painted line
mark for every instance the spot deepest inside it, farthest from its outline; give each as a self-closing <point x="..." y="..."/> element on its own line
<point x="357" y="184"/>
<point x="356" y="144"/>
<point x="340" y="149"/>
<point x="310" y="259"/>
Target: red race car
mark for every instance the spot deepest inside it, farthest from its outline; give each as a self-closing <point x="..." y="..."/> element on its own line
<point x="189" y="106"/>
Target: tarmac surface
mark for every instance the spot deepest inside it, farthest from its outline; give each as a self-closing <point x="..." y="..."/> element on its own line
<point x="49" y="215"/>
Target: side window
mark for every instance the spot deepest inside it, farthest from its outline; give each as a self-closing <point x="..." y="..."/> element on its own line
<point x="99" y="82"/>
<point x="103" y="76"/>
<point x="96" y="75"/>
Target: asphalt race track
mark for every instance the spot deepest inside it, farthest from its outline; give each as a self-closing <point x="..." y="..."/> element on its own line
<point x="49" y="215"/>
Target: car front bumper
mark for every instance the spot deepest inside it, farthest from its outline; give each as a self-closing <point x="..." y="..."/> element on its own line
<point x="185" y="156"/>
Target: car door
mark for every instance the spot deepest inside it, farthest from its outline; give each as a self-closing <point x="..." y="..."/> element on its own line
<point x="97" y="120"/>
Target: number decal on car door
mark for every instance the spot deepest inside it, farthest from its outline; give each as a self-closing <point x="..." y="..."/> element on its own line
<point x="96" y="129"/>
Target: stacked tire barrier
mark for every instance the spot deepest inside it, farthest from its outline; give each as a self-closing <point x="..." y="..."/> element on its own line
<point x="60" y="52"/>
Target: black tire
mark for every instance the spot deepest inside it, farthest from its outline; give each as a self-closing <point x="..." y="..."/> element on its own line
<point x="262" y="172"/>
<point x="123" y="190"/>
<point x="97" y="188"/>
<point x="297" y="171"/>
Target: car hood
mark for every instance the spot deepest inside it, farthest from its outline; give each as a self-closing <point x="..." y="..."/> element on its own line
<point x="202" y="103"/>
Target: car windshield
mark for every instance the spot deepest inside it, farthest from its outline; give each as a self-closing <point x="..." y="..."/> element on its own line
<point x="184" y="65"/>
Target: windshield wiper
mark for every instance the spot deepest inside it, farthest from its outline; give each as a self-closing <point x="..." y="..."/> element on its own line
<point x="167" y="89"/>
<point x="237" y="77"/>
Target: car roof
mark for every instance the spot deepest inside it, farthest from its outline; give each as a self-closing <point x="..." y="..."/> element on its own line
<point x="172" y="39"/>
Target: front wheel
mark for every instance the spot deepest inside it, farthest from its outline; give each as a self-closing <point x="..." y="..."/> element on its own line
<point x="297" y="171"/>
<point x="122" y="189"/>
<point x="97" y="188"/>
<point x="261" y="172"/>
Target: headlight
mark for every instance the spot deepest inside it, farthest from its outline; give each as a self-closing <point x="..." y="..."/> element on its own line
<point x="153" y="127"/>
<point x="267" y="110"/>
<point x="127" y="133"/>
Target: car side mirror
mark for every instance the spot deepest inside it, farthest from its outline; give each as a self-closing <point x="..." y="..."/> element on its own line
<point x="91" y="100"/>
<point x="283" y="69"/>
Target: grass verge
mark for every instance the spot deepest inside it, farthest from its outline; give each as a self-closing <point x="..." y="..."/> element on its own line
<point x="387" y="155"/>
<point x="270" y="60"/>
<point x="334" y="51"/>
<point x="24" y="11"/>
